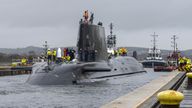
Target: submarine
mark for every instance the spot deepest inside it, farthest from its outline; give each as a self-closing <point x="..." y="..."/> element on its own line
<point x="92" y="63"/>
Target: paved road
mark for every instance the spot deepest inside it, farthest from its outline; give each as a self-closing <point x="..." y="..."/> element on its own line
<point x="15" y="93"/>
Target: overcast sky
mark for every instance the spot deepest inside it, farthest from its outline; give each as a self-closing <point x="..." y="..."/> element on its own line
<point x="31" y="22"/>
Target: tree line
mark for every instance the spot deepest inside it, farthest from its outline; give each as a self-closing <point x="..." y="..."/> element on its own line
<point x="11" y="57"/>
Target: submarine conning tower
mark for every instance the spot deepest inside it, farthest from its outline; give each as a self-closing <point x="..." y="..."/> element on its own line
<point x="91" y="42"/>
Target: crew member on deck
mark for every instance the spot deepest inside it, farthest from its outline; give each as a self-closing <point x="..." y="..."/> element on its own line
<point x="24" y="61"/>
<point x="86" y="16"/>
<point x="54" y="55"/>
<point x="59" y="56"/>
<point x="49" y="55"/>
<point x="188" y="65"/>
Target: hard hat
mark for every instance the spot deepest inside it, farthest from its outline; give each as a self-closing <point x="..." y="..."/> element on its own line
<point x="48" y="49"/>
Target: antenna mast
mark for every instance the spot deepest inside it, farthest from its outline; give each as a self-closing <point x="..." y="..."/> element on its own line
<point x="175" y="49"/>
<point x="154" y="44"/>
<point x="111" y="39"/>
<point x="45" y="48"/>
<point x="174" y="38"/>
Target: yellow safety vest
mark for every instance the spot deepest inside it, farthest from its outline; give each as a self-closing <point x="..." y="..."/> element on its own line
<point x="188" y="61"/>
<point x="68" y="58"/>
<point x="181" y="61"/>
<point x="54" y="53"/>
<point x="188" y="68"/>
<point x="48" y="52"/>
<point x="63" y="57"/>
<point x="120" y="51"/>
<point x="24" y="61"/>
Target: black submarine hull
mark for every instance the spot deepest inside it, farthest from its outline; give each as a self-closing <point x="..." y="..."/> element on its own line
<point x="83" y="72"/>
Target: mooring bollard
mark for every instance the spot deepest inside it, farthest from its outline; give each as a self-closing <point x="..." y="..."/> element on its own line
<point x="170" y="98"/>
<point x="189" y="80"/>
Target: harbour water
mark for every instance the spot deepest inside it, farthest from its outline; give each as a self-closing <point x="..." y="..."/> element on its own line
<point x="16" y="93"/>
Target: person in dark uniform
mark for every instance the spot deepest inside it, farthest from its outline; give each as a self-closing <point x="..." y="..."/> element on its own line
<point x="86" y="55"/>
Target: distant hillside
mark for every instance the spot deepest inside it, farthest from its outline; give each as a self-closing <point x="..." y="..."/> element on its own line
<point x="21" y="51"/>
<point x="187" y="52"/>
<point x="141" y="52"/>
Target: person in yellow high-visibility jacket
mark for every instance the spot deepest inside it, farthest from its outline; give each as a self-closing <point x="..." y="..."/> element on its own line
<point x="185" y="60"/>
<point x="49" y="55"/>
<point x="54" y="55"/>
<point x="64" y="58"/>
<point x="115" y="53"/>
<point x="187" y="68"/>
<point x="124" y="51"/>
<point x="181" y="64"/>
<point x="188" y="61"/>
<point x="24" y="61"/>
<point x="188" y="65"/>
<point x="68" y="58"/>
<point x="120" y="51"/>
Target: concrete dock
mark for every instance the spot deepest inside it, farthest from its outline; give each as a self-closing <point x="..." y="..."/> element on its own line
<point x="138" y="98"/>
<point x="187" y="92"/>
<point x="8" y="70"/>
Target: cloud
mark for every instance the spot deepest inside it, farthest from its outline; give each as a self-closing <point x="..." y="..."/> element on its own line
<point x="33" y="21"/>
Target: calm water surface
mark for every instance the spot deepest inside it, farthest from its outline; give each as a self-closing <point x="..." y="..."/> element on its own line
<point x="15" y="93"/>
